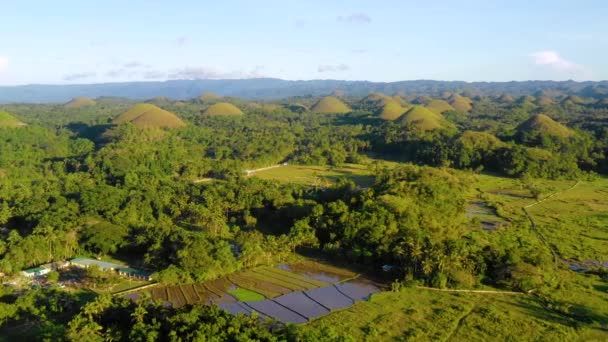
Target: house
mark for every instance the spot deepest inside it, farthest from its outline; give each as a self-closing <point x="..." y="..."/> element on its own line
<point x="35" y="272"/>
<point x="135" y="273"/>
<point x="103" y="265"/>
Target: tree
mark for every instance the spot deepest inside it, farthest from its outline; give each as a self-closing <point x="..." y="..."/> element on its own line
<point x="104" y="237"/>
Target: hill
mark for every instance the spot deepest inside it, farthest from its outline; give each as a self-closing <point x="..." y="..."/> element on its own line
<point x="80" y="102"/>
<point x="222" y="109"/>
<point x="144" y="115"/>
<point x="391" y="110"/>
<point x="422" y="118"/>
<point x="439" y="106"/>
<point x="506" y="98"/>
<point x="330" y="104"/>
<point x="7" y="120"/>
<point x="271" y="88"/>
<point x="543" y="125"/>
<point x="207" y="96"/>
<point x="460" y="103"/>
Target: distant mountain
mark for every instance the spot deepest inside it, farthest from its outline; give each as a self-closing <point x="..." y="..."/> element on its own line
<point x="271" y="88"/>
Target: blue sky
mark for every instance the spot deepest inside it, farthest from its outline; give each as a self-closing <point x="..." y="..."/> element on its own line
<point x="69" y="42"/>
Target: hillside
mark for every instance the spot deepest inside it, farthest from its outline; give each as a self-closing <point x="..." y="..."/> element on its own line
<point x="422" y="118"/>
<point x="7" y="120"/>
<point x="222" y="109"/>
<point x="460" y="103"/>
<point x="391" y="110"/>
<point x="439" y="106"/>
<point x="330" y="104"/>
<point x="271" y="88"/>
<point x="543" y="125"/>
<point x="80" y="102"/>
<point x="207" y="96"/>
<point x="146" y="115"/>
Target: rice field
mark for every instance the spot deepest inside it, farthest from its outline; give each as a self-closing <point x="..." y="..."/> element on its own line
<point x="289" y="293"/>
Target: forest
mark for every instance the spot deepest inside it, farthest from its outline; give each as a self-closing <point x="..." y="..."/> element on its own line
<point x="170" y="186"/>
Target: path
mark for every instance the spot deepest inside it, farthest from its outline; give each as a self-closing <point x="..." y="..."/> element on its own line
<point x="535" y="228"/>
<point x="471" y="291"/>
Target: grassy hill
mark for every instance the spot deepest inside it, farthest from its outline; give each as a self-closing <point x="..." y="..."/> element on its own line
<point x="222" y="109"/>
<point x="422" y="118"/>
<point x="330" y="104"/>
<point x="205" y="97"/>
<point x="7" y="120"/>
<point x="391" y="110"/>
<point x="146" y="115"/>
<point x="505" y="98"/>
<point x="543" y="125"/>
<point x="460" y="103"/>
<point x="439" y="106"/>
<point x="80" y="102"/>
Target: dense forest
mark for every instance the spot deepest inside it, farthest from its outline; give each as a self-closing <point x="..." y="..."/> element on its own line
<point x="165" y="185"/>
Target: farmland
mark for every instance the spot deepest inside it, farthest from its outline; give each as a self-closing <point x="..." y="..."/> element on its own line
<point x="290" y="293"/>
<point x="318" y="175"/>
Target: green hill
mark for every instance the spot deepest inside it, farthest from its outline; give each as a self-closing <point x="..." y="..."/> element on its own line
<point x="422" y="118"/>
<point x="544" y="100"/>
<point x="330" y="104"/>
<point x="80" y="102"/>
<point x="7" y="120"/>
<point x="505" y="98"/>
<point x="573" y="100"/>
<point x="541" y="124"/>
<point x="439" y="106"/>
<point x="145" y="115"/>
<point x="460" y="103"/>
<point x="391" y="110"/>
<point x="480" y="140"/>
<point x="205" y="97"/>
<point x="222" y="109"/>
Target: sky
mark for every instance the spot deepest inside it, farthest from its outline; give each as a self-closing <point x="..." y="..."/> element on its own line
<point x="73" y="42"/>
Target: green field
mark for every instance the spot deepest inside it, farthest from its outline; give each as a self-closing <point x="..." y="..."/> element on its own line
<point x="246" y="295"/>
<point x="318" y="175"/>
<point x="423" y="315"/>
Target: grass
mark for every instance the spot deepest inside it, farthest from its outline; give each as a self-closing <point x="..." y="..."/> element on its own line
<point x="545" y="125"/>
<point x="222" y="109"/>
<point x="420" y="315"/>
<point x="144" y="115"/>
<point x="330" y="104"/>
<point x="246" y="295"/>
<point x="422" y="118"/>
<point x="318" y="175"/>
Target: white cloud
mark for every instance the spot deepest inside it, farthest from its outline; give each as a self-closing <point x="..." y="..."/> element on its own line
<point x="3" y="63"/>
<point x="554" y="60"/>
<point x="191" y="73"/>
<point x="333" y="68"/>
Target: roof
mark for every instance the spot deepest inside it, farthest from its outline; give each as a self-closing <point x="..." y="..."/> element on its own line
<point x="104" y="265"/>
<point x="34" y="270"/>
<point x="133" y="271"/>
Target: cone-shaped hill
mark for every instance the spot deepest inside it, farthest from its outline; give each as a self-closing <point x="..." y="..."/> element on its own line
<point x="421" y="118"/>
<point x="392" y="110"/>
<point x="330" y="104"/>
<point x="573" y="100"/>
<point x="439" y="106"/>
<point x="145" y="115"/>
<point x="80" y="102"/>
<point x="541" y="125"/>
<point x="222" y="109"/>
<point x="506" y="98"/>
<point x="544" y="100"/>
<point x="9" y="121"/>
<point x="460" y="103"/>
<point x="205" y="97"/>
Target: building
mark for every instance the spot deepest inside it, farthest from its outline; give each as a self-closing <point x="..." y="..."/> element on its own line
<point x="35" y="272"/>
<point x="135" y="273"/>
<point x="103" y="265"/>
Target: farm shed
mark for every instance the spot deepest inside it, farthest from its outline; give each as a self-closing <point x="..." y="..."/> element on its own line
<point x="35" y="272"/>
<point x="103" y="265"/>
<point x="134" y="273"/>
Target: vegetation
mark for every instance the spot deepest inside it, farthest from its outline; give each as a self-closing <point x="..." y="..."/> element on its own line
<point x="436" y="198"/>
<point x="222" y="109"/>
<point x="330" y="104"/>
<point x="146" y="115"/>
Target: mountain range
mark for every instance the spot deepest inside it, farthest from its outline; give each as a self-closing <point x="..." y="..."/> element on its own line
<point x="271" y="88"/>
